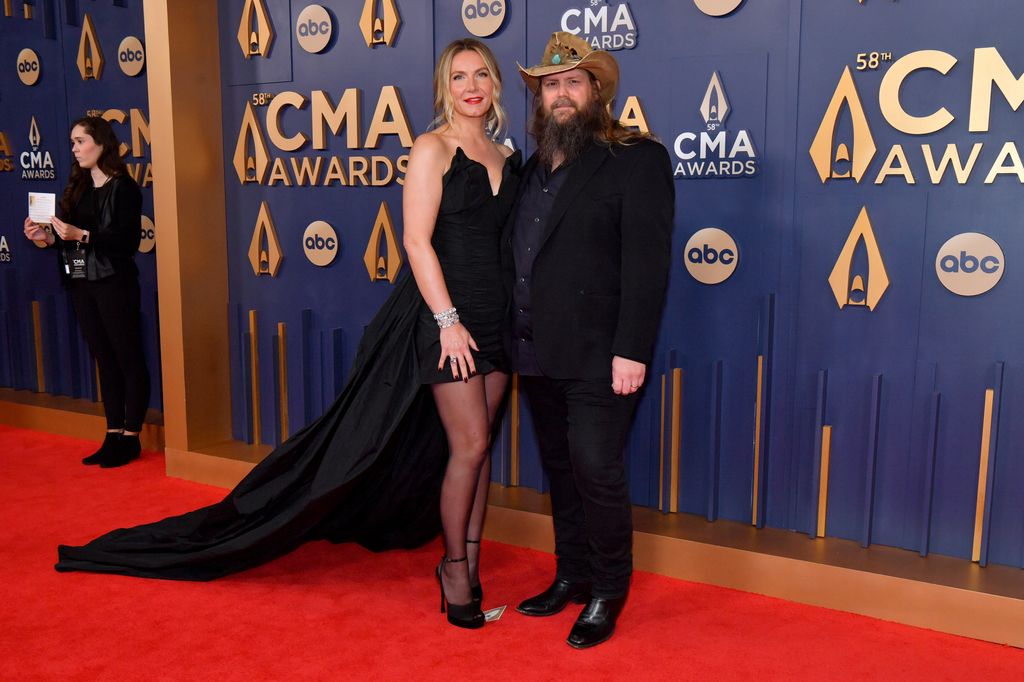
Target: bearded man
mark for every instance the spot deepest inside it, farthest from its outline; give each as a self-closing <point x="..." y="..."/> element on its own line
<point x="586" y="255"/>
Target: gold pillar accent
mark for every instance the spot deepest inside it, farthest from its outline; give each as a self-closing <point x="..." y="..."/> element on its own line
<point x="254" y="377"/>
<point x="37" y="337"/>
<point x="513" y="476"/>
<point x="677" y="437"/>
<point x="282" y="377"/>
<point x="27" y="11"/>
<point x="183" y="77"/>
<point x="986" y="440"/>
<point x="826" y="452"/>
<point x="8" y="10"/>
<point x="661" y="451"/>
<point x="99" y="387"/>
<point x="758" y="401"/>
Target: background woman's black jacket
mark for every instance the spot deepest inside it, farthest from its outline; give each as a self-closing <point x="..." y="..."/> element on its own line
<point x="112" y="215"/>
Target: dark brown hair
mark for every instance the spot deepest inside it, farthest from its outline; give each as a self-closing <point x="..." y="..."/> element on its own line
<point x="110" y="161"/>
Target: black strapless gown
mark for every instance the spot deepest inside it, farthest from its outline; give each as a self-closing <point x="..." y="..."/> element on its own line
<point x="369" y="469"/>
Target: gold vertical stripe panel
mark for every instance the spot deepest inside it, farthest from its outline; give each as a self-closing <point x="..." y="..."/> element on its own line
<point x="254" y="378"/>
<point x="826" y="453"/>
<point x="282" y="377"/>
<point x="757" y="440"/>
<point x="27" y="10"/>
<point x="986" y="440"/>
<point x="677" y="437"/>
<point x="513" y="476"/>
<point x="99" y="386"/>
<point x="661" y="451"/>
<point x="37" y="334"/>
<point x="8" y="10"/>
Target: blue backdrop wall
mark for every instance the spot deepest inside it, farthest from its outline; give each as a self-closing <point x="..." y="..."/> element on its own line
<point x="831" y="383"/>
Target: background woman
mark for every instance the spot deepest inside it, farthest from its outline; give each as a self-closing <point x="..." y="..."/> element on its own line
<point x="96" y="235"/>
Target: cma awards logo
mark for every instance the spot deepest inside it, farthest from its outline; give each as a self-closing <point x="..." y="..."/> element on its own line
<point x="36" y="164"/>
<point x="253" y="162"/>
<point x="383" y="258"/>
<point x="604" y="26"/>
<point x="255" y="32"/>
<point x="859" y="277"/>
<point x="265" y="248"/>
<point x="715" y="152"/>
<point x="6" y="154"/>
<point x="843" y="148"/>
<point x="90" y="56"/>
<point x="379" y="22"/>
<point x="5" y="250"/>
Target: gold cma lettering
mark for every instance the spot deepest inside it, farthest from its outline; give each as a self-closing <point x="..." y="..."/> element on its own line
<point x="5" y="145"/>
<point x="824" y="151"/>
<point x="379" y="28"/>
<point x="383" y="258"/>
<point x="265" y="249"/>
<point x="139" y="129"/>
<point x="255" y="32"/>
<point x="389" y="119"/>
<point x="325" y="113"/>
<point x="852" y="290"/>
<point x="90" y="56"/>
<point x="632" y="115"/>
<point x="250" y="167"/>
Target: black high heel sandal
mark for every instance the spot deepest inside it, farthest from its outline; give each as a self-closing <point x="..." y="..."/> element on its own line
<point x="477" y="591"/>
<point x="467" y="616"/>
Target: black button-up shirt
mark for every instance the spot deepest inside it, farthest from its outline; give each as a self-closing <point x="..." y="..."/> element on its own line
<point x="534" y="208"/>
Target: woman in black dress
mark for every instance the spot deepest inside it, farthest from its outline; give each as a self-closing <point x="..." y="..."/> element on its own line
<point x="404" y="446"/>
<point x="96" y="237"/>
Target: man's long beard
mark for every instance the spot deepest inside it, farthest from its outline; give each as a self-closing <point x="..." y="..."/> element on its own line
<point x="567" y="139"/>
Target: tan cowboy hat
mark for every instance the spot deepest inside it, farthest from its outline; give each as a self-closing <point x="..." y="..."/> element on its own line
<point x="565" y="52"/>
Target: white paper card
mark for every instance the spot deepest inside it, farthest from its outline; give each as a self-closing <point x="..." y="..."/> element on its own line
<point x="492" y="615"/>
<point x="42" y="207"/>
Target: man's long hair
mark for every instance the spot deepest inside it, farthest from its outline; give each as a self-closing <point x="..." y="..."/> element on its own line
<point x="110" y="161"/>
<point x="592" y="123"/>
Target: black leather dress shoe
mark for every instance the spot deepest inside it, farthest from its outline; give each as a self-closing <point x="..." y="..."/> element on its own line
<point x="596" y="623"/>
<point x="552" y="600"/>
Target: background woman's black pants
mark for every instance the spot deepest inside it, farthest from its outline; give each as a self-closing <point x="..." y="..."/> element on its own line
<point x="108" y="313"/>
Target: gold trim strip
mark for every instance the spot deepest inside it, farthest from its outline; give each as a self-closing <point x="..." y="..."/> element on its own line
<point x="8" y="10"/>
<point x="986" y="440"/>
<point x="282" y="377"/>
<point x="677" y="437"/>
<point x="757" y="440"/>
<point x="513" y="476"/>
<point x="37" y="333"/>
<point x="826" y="453"/>
<point x="254" y="378"/>
<point x="99" y="386"/>
<point x="27" y="11"/>
<point x="661" y="451"/>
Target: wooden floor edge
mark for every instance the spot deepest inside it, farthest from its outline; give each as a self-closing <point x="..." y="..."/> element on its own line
<point x="72" y="424"/>
<point x="201" y="468"/>
<point x="946" y="609"/>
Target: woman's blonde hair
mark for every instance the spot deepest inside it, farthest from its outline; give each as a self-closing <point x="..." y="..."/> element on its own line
<point x="444" y="105"/>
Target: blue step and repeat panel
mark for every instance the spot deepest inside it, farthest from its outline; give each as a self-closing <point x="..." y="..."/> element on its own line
<point x="840" y="352"/>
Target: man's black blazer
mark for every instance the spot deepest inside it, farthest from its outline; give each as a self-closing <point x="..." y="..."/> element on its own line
<point x="601" y="269"/>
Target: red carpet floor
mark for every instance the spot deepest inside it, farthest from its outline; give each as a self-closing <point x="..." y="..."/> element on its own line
<point x="340" y="612"/>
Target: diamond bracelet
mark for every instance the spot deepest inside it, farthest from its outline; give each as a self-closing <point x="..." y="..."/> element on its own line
<point x="446" y="318"/>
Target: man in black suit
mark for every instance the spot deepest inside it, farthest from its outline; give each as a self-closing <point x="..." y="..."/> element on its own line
<point x="587" y="253"/>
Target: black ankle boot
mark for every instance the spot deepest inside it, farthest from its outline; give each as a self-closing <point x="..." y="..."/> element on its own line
<point x="460" y="615"/>
<point x="108" y="447"/>
<point x="127" y="449"/>
<point x="554" y="599"/>
<point x="596" y="623"/>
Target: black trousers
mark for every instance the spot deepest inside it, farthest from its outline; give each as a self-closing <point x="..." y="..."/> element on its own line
<point x="581" y="428"/>
<point x="108" y="311"/>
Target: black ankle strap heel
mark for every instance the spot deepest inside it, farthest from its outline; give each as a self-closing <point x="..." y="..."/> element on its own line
<point x="460" y="615"/>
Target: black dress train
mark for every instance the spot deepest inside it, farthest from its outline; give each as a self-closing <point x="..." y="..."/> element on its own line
<point x="370" y="468"/>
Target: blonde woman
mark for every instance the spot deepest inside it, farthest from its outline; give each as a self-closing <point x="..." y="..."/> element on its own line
<point x="403" y="449"/>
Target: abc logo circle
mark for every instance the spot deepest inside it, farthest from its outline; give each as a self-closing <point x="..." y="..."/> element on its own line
<point x="320" y="243"/>
<point x="131" y="56"/>
<point x="148" y="240"/>
<point x="970" y="264"/>
<point x="717" y="8"/>
<point x="711" y="256"/>
<point x="313" y="28"/>
<point x="28" y="66"/>
<point x="483" y="17"/>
